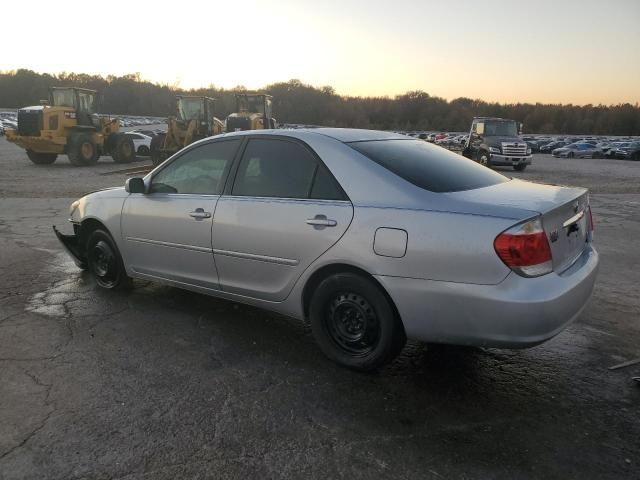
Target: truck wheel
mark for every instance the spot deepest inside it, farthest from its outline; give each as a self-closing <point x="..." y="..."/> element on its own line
<point x="521" y="167"/>
<point x="82" y="149"/>
<point x="157" y="142"/>
<point x="41" y="158"/>
<point x="123" y="149"/>
<point x="484" y="158"/>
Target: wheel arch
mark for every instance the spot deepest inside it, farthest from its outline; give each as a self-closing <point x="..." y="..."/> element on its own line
<point x="333" y="268"/>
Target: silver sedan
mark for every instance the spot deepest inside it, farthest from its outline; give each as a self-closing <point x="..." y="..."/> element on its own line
<point x="372" y="236"/>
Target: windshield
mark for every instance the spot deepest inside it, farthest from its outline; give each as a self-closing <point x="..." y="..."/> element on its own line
<point x="427" y="166"/>
<point x="500" y="128"/>
<point x="190" y="108"/>
<point x="86" y="100"/>
<point x="251" y="104"/>
<point x="63" y="97"/>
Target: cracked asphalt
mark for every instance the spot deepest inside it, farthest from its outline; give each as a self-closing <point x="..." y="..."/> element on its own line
<point x="160" y="383"/>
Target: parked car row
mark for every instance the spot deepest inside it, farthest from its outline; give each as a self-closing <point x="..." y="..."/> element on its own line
<point x="625" y="148"/>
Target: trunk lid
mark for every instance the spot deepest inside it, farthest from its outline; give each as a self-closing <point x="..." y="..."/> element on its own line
<point x="564" y="212"/>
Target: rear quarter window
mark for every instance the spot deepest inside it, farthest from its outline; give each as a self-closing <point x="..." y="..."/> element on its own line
<point x="428" y="166"/>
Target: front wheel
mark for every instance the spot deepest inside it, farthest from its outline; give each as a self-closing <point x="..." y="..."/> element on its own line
<point x="354" y="322"/>
<point x="104" y="261"/>
<point x="483" y="158"/>
<point x="123" y="150"/>
<point x="82" y="149"/>
<point x="570" y="155"/>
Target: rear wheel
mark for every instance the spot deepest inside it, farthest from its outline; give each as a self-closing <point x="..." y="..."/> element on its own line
<point x="122" y="149"/>
<point x="104" y="261"/>
<point x="157" y="143"/>
<point x="82" y="149"/>
<point x="41" y="158"/>
<point x="354" y="322"/>
<point x="521" y="167"/>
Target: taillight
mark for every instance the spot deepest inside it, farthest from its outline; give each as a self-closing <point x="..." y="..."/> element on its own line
<point x="525" y="249"/>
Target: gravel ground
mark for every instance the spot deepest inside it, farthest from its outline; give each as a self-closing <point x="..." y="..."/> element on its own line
<point x="161" y="383"/>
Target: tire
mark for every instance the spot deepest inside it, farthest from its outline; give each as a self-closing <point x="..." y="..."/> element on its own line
<point x="595" y="155"/>
<point x="82" y="149"/>
<point x="483" y="158"/>
<point x="157" y="142"/>
<point x="354" y="322"/>
<point x="570" y="155"/>
<point x="122" y="149"/>
<point x="143" y="151"/>
<point x="104" y="261"/>
<point x="521" y="167"/>
<point x="635" y="157"/>
<point x="41" y="158"/>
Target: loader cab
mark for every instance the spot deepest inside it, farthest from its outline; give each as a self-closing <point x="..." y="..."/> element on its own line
<point x="81" y="100"/>
<point x="200" y="109"/>
<point x="254" y="103"/>
<point x="253" y="111"/>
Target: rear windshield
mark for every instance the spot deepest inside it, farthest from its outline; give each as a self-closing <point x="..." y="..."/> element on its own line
<point x="428" y="166"/>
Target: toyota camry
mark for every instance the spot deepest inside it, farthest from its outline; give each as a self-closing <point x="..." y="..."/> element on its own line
<point x="373" y="237"/>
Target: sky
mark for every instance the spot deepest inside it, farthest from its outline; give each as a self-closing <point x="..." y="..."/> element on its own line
<point x="550" y="51"/>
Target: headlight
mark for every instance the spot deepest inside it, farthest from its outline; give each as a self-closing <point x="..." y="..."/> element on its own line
<point x="528" y="150"/>
<point x="494" y="149"/>
<point x="73" y="207"/>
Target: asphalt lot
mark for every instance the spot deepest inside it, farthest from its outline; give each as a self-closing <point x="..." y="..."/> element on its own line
<point x="160" y="383"/>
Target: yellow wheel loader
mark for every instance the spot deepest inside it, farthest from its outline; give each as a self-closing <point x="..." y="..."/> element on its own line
<point x="67" y="124"/>
<point x="193" y="121"/>
<point x="253" y="112"/>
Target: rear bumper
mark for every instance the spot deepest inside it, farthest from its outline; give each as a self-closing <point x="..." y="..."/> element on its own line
<point x="506" y="160"/>
<point x="71" y="245"/>
<point x="517" y="313"/>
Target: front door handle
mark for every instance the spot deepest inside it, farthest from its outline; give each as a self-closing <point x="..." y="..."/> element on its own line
<point x="199" y="214"/>
<point x="321" y="221"/>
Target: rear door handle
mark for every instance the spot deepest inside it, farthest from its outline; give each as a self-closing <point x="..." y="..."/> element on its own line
<point x="320" y="221"/>
<point x="199" y="214"/>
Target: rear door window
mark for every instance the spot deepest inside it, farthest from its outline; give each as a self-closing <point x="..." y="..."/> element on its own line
<point x="428" y="166"/>
<point x="279" y="168"/>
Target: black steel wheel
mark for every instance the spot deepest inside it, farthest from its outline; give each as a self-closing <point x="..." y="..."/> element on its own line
<point x="354" y="322"/>
<point x="105" y="262"/>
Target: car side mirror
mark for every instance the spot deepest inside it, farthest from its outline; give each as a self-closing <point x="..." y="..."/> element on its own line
<point x="135" y="185"/>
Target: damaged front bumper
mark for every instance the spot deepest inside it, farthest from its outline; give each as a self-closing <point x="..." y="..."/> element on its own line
<point x="71" y="244"/>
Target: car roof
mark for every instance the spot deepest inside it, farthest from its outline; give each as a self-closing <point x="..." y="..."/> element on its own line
<point x="345" y="135"/>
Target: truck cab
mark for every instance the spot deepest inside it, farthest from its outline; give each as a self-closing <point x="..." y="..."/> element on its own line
<point x="496" y="142"/>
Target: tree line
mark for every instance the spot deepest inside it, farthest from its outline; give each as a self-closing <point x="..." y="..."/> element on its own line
<point x="296" y="102"/>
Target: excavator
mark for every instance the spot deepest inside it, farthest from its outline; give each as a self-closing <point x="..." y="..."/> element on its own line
<point x="193" y="121"/>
